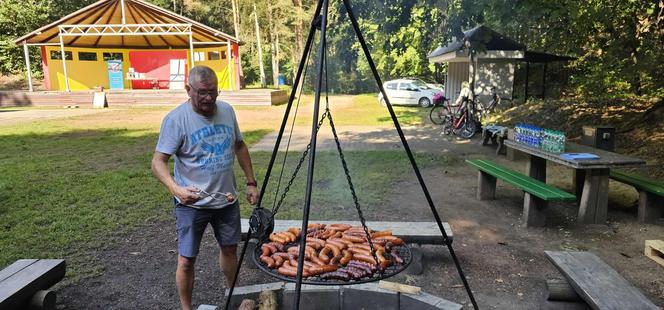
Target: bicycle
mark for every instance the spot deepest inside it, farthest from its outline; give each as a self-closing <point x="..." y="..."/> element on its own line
<point x="484" y="110"/>
<point x="458" y="121"/>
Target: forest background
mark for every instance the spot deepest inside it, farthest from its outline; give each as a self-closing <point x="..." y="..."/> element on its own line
<point x="618" y="44"/>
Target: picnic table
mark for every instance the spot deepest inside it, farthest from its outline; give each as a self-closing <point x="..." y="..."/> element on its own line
<point x="592" y="177"/>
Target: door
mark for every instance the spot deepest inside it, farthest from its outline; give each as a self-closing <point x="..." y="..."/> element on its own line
<point x="177" y="73"/>
<point x="408" y="93"/>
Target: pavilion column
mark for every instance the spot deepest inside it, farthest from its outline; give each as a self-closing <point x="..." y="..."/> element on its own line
<point x="64" y="62"/>
<point x="229" y="54"/>
<point x="191" y="49"/>
<point x="27" y="64"/>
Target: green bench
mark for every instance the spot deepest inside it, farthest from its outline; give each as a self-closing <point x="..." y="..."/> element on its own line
<point x="537" y="193"/>
<point x="651" y="194"/>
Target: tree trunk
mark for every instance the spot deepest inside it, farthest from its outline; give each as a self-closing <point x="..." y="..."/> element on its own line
<point x="236" y="26"/>
<point x="273" y="45"/>
<point x="299" y="39"/>
<point x="260" y="49"/>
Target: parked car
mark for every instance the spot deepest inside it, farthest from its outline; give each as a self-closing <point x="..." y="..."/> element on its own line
<point x="408" y="92"/>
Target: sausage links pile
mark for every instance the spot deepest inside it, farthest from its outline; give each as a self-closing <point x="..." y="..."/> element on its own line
<point x="333" y="252"/>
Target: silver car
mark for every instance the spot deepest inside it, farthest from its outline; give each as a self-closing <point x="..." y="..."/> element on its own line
<point x="408" y="92"/>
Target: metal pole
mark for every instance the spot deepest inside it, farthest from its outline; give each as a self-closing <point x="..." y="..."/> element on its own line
<point x="230" y="71"/>
<point x="64" y="65"/>
<point x="298" y="75"/>
<point x="27" y="64"/>
<point x="122" y="8"/>
<point x="191" y="49"/>
<point x="372" y="65"/>
<point x="312" y="155"/>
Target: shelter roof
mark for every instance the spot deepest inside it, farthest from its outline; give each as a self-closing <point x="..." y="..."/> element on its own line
<point x="487" y="39"/>
<point x="101" y="25"/>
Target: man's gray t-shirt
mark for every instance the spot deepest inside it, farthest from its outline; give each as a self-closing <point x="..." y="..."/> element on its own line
<point x="204" y="150"/>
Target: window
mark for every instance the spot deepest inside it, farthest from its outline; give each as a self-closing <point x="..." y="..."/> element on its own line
<point x="112" y="56"/>
<point x="406" y="86"/>
<point x="214" y="55"/>
<point x="85" y="56"/>
<point x="223" y="54"/>
<point x="199" y="56"/>
<point x="391" y="86"/>
<point x="57" y="55"/>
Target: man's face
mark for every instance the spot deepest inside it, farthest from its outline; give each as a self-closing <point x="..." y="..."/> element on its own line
<point x="203" y="96"/>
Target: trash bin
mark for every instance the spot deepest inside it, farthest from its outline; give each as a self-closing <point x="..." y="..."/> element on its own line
<point x="601" y="137"/>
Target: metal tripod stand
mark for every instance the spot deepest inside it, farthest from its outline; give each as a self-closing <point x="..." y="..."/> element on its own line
<point x="320" y="22"/>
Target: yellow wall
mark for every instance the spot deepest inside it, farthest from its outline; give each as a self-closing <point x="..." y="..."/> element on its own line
<point x="85" y="75"/>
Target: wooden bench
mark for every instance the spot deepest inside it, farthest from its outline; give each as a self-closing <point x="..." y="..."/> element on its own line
<point x="24" y="284"/>
<point x="537" y="193"/>
<point x="651" y="194"/>
<point x="410" y="232"/>
<point x="497" y="135"/>
<point x="597" y="283"/>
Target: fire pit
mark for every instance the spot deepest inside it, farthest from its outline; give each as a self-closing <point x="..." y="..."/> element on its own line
<point x="359" y="296"/>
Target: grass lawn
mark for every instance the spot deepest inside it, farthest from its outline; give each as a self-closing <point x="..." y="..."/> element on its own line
<point x="71" y="185"/>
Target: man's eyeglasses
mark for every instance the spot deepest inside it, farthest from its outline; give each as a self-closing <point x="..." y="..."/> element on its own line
<point x="202" y="93"/>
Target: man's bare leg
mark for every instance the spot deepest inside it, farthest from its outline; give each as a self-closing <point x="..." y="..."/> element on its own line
<point x="228" y="262"/>
<point x="184" y="280"/>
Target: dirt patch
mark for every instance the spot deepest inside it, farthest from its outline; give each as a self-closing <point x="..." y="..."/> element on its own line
<point x="503" y="261"/>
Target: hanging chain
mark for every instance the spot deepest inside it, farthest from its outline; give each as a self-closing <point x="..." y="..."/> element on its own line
<point x="297" y="169"/>
<point x="352" y="188"/>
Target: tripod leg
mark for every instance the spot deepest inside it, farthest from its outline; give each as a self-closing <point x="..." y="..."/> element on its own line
<point x="303" y="60"/>
<point x="312" y="153"/>
<point x="360" y="38"/>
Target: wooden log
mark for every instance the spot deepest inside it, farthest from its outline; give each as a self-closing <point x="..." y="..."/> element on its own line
<point x="398" y="287"/>
<point x="43" y="300"/>
<point x="561" y="290"/>
<point x="267" y="300"/>
<point x="247" y="304"/>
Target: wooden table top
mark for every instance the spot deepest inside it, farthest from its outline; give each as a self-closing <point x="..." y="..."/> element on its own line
<point x="606" y="159"/>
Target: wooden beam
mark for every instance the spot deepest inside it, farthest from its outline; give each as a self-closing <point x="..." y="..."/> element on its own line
<point x="107" y="20"/>
<point x="129" y="9"/>
<point x="84" y="17"/>
<point x="398" y="287"/>
<point x="143" y="17"/>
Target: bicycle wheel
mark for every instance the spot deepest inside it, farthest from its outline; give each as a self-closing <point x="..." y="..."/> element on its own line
<point x="468" y="129"/>
<point x="437" y="115"/>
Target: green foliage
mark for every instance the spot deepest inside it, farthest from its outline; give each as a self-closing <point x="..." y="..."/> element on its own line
<point x="618" y="43"/>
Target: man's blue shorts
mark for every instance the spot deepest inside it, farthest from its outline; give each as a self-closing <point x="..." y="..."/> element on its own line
<point x="191" y="223"/>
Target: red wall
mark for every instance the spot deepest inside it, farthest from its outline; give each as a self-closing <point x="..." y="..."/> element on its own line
<point x="154" y="64"/>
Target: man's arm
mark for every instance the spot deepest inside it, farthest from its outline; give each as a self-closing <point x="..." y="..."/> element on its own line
<point x="243" y="158"/>
<point x="186" y="195"/>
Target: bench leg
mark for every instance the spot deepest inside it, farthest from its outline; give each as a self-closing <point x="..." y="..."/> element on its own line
<point x="486" y="186"/>
<point x="650" y="207"/>
<point x="578" y="179"/>
<point x="501" y="147"/>
<point x="595" y="198"/>
<point x="536" y="168"/>
<point x="533" y="211"/>
<point x="485" y="136"/>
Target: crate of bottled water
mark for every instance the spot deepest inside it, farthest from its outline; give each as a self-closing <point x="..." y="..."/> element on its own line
<point x="553" y="141"/>
<point x="529" y="135"/>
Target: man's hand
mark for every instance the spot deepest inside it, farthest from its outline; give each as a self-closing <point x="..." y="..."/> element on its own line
<point x="187" y="195"/>
<point x="252" y="194"/>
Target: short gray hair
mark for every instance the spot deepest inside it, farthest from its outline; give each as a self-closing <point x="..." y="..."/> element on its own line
<point x="202" y="74"/>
